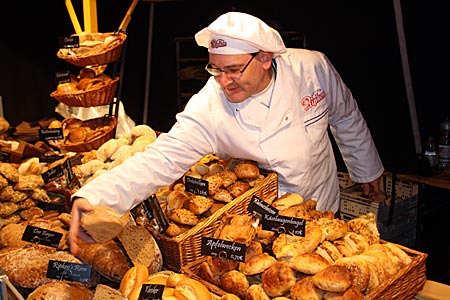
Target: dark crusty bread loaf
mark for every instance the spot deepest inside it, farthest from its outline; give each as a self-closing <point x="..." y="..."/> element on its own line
<point x="141" y="247"/>
<point x="105" y="292"/>
<point x="102" y="223"/>
<point x="61" y="290"/>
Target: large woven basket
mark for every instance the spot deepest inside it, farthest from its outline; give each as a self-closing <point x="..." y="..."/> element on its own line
<point x="94" y="97"/>
<point x="404" y="286"/>
<point x="92" y="56"/>
<point x="108" y="125"/>
<point x="185" y="248"/>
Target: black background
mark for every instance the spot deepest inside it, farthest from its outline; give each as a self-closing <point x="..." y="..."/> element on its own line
<point x="359" y="37"/>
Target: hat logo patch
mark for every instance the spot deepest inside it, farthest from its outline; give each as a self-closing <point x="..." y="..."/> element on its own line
<point x="217" y="43"/>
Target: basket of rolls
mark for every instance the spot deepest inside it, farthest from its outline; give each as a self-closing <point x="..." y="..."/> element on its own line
<point x="231" y="185"/>
<point x="87" y="89"/>
<point x="95" y="49"/>
<point x="83" y="136"/>
<point x="334" y="259"/>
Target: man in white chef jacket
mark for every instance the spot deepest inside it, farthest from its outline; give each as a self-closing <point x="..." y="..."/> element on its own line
<point x="263" y="102"/>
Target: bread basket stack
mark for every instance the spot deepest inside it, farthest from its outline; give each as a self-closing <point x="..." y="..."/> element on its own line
<point x="95" y="132"/>
<point x="101" y="94"/>
<point x="95" y="49"/>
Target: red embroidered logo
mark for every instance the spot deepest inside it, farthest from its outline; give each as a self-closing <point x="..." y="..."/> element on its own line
<point x="313" y="100"/>
<point x="218" y="43"/>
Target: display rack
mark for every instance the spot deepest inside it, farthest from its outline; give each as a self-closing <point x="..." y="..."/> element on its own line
<point x="191" y="74"/>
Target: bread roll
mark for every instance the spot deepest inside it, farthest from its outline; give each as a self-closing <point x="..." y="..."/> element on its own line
<point x="235" y="282"/>
<point x="335" y="278"/>
<point x="191" y="289"/>
<point x="102" y="223"/>
<point x="256" y="292"/>
<point x="278" y="279"/>
<point x="308" y="263"/>
<point x="351" y="293"/>
<point x="306" y="289"/>
<point x="246" y="170"/>
<point x="287" y="200"/>
<point x="257" y="264"/>
<point x="133" y="278"/>
<point x="359" y="270"/>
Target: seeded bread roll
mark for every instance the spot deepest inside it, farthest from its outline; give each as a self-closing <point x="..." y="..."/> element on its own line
<point x="198" y="204"/>
<point x="183" y="216"/>
<point x="102" y="223"/>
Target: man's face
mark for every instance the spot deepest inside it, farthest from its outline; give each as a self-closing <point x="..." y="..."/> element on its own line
<point x="241" y="75"/>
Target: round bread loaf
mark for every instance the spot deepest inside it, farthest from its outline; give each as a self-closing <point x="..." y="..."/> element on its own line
<point x="102" y="223"/>
<point x="61" y="290"/>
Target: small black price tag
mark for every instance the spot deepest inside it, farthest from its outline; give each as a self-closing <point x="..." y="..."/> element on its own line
<point x="50" y="158"/>
<point x="5" y="156"/>
<point x="197" y="186"/>
<point x="158" y="213"/>
<point x="46" y="134"/>
<point x="62" y="77"/>
<point x="281" y="224"/>
<point x="151" y="292"/>
<point x="41" y="236"/>
<point x="223" y="249"/>
<point x="63" y="270"/>
<point x="69" y="41"/>
<point x="259" y="208"/>
<point x="56" y="172"/>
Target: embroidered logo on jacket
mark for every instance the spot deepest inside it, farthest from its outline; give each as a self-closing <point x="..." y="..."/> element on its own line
<point x="313" y="100"/>
<point x="218" y="43"/>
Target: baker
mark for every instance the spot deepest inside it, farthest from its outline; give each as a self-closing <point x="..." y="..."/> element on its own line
<point x="263" y="102"/>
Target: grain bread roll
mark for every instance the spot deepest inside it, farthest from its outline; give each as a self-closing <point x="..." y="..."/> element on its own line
<point x="102" y="223"/>
<point x="141" y="247"/>
<point x="61" y="290"/>
<point x="105" y="292"/>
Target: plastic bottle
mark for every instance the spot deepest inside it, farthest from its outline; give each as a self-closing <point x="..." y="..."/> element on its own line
<point x="444" y="144"/>
<point x="430" y="151"/>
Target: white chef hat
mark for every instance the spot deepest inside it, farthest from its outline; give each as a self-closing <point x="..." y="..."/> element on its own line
<point x="239" y="33"/>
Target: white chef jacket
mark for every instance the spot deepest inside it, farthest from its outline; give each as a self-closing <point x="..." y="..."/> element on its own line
<point x="284" y="129"/>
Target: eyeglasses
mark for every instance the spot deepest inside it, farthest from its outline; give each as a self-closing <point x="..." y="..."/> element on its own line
<point x="232" y="72"/>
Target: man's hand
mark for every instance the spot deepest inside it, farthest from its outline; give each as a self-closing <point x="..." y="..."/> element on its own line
<point x="76" y="233"/>
<point x="372" y="190"/>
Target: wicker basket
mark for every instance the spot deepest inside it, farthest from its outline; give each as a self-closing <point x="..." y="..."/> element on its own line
<point x="95" y="97"/>
<point x="405" y="285"/>
<point x="96" y="55"/>
<point x="186" y="247"/>
<point x="109" y="122"/>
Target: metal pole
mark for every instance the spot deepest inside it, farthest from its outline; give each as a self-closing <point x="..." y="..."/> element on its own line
<point x="149" y="63"/>
<point x="407" y="75"/>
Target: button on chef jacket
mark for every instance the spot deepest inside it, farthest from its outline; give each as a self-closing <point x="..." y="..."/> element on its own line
<point x="284" y="129"/>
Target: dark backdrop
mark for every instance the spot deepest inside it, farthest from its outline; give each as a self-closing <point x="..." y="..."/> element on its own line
<point x="359" y="37"/>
